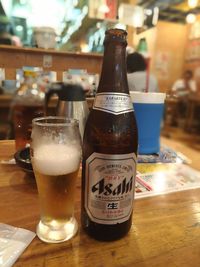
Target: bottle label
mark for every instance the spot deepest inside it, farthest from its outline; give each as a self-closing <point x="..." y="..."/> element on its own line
<point x="110" y="187"/>
<point x="115" y="103"/>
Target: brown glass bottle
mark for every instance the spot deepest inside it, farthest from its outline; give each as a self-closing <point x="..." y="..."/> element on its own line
<point x="110" y="148"/>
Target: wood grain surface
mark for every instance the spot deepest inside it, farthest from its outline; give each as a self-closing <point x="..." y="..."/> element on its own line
<point x="165" y="230"/>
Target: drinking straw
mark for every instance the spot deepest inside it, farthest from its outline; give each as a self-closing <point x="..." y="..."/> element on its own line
<point x="147" y="74"/>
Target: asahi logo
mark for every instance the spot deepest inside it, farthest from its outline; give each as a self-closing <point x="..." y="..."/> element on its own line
<point x="109" y="189"/>
<point x="110" y="182"/>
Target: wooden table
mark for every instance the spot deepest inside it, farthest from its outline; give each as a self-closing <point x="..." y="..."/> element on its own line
<point x="165" y="231"/>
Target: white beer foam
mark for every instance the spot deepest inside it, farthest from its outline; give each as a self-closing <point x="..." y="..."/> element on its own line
<point x="151" y="98"/>
<point x="56" y="159"/>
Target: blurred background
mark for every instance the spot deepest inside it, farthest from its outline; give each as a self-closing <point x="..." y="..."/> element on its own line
<point x="71" y="33"/>
<point x="171" y="28"/>
<point x="80" y="24"/>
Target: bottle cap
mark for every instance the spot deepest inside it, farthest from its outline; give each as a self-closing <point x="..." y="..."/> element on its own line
<point x="116" y="35"/>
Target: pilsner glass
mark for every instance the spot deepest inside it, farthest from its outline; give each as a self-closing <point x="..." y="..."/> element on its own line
<point x="55" y="156"/>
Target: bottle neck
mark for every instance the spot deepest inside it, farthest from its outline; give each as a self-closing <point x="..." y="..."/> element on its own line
<point x="113" y="74"/>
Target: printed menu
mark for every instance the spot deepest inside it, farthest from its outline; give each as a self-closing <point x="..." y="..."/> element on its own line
<point x="155" y="179"/>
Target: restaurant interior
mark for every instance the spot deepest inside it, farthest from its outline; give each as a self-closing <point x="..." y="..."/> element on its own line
<point x="63" y="41"/>
<point x="171" y="30"/>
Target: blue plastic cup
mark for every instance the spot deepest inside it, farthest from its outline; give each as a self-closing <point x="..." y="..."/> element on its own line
<point x="149" y="109"/>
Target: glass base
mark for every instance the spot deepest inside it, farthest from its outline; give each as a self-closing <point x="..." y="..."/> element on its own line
<point x="56" y="232"/>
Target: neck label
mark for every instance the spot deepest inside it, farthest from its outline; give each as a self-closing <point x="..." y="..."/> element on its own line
<point x="115" y="103"/>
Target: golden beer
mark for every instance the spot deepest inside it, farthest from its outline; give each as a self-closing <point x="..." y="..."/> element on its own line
<point x="55" y="161"/>
<point x="56" y="196"/>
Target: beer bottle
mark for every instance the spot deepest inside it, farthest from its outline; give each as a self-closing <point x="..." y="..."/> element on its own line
<point x="110" y="148"/>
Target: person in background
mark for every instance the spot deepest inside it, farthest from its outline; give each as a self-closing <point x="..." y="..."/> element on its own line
<point x="7" y="36"/>
<point x="184" y="87"/>
<point x="137" y="74"/>
<point x="8" y="39"/>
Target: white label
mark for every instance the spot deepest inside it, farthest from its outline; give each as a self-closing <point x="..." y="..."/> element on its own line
<point x="115" y="103"/>
<point x="47" y="61"/>
<point x="110" y="187"/>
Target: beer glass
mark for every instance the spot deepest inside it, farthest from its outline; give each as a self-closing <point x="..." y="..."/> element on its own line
<point x="55" y="156"/>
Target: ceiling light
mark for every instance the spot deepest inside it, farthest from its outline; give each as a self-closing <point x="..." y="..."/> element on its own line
<point x="192" y="3"/>
<point x="85" y="48"/>
<point x="131" y="15"/>
<point x="148" y="12"/>
<point x="138" y="17"/>
<point x="19" y="28"/>
<point x="155" y="16"/>
<point x="190" y="18"/>
<point x="75" y="3"/>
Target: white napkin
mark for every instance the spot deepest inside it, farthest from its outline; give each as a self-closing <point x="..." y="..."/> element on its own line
<point x="13" y="242"/>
